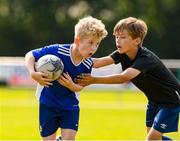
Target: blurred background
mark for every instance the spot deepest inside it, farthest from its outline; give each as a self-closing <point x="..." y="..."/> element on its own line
<point x="108" y="111"/>
<point x="26" y="25"/>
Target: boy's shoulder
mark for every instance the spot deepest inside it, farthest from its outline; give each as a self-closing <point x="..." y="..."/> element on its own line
<point x="60" y="45"/>
<point x="64" y="49"/>
<point x="88" y="62"/>
<point x="144" y="52"/>
<point x="65" y="45"/>
<point x="146" y="57"/>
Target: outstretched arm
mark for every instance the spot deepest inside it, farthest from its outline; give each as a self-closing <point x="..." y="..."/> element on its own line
<point x="103" y="61"/>
<point x="125" y="76"/>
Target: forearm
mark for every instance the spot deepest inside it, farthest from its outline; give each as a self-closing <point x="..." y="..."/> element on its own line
<point x="125" y="76"/>
<point x="111" y="79"/>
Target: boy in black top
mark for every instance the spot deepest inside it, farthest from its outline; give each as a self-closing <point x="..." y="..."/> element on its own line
<point x="145" y="70"/>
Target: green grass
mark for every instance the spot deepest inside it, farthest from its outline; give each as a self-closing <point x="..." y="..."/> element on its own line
<point x="104" y="115"/>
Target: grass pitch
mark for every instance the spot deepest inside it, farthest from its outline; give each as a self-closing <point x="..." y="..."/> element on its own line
<point x="104" y="115"/>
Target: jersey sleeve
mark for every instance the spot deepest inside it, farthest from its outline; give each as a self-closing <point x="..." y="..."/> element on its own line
<point x="116" y="56"/>
<point x="90" y="70"/>
<point x="144" y="63"/>
<point x="51" y="49"/>
<point x="88" y="63"/>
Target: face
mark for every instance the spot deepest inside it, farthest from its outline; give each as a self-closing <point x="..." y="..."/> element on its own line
<point x="125" y="43"/>
<point x="88" y="46"/>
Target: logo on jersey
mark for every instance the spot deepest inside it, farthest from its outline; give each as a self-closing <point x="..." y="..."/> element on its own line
<point x="163" y="126"/>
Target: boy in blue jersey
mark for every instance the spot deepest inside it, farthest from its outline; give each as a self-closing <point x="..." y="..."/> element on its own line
<point x="145" y="70"/>
<point x="58" y="100"/>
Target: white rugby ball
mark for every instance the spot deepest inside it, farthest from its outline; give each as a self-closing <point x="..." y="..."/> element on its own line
<point x="51" y="65"/>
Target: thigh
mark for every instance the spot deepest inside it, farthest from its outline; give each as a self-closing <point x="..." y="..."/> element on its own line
<point x="49" y="138"/>
<point x="151" y="112"/>
<point x="48" y="120"/>
<point x="69" y="119"/>
<point x="167" y="119"/>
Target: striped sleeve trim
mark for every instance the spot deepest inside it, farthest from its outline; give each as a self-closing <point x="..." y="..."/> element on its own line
<point x="63" y="50"/>
<point x="88" y="63"/>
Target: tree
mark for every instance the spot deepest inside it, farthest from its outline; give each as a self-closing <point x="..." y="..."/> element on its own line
<point x="25" y="25"/>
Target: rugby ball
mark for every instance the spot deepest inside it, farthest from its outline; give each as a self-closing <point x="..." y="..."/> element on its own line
<point x="51" y="65"/>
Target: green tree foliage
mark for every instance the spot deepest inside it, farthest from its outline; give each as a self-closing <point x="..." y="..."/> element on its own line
<point x="29" y="24"/>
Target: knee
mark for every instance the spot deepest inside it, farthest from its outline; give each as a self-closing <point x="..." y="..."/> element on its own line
<point x="148" y="138"/>
<point x="151" y="137"/>
<point x="68" y="137"/>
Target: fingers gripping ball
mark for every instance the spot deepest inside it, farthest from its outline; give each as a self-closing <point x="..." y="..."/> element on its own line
<point x="51" y="65"/>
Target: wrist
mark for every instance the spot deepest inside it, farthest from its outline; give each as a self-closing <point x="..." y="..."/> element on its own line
<point x="93" y="81"/>
<point x="76" y="88"/>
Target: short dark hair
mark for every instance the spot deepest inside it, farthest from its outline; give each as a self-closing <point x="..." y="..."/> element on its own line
<point x="135" y="27"/>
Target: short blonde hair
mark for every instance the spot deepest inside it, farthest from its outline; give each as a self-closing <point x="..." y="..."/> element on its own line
<point x="135" y="27"/>
<point x="90" y="26"/>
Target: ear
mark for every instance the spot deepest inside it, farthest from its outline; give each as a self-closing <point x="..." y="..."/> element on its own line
<point x="76" y="41"/>
<point x="138" y="40"/>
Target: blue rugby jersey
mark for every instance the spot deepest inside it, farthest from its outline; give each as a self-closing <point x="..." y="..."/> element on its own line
<point x="58" y="95"/>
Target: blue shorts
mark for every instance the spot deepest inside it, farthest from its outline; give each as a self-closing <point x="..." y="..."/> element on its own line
<point x="51" y="119"/>
<point x="162" y="119"/>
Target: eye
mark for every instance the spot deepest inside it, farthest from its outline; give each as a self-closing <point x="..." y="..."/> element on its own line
<point x="123" y="37"/>
<point x="90" y="42"/>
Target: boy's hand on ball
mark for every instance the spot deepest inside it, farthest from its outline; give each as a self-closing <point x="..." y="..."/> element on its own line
<point x="41" y="78"/>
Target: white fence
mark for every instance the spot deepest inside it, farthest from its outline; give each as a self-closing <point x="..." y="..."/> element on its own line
<point x="14" y="73"/>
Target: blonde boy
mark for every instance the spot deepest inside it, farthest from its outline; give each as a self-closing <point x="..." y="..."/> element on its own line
<point x="58" y="99"/>
<point x="145" y="70"/>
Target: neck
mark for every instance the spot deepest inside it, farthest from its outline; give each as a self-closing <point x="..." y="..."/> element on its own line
<point x="76" y="56"/>
<point x="132" y="54"/>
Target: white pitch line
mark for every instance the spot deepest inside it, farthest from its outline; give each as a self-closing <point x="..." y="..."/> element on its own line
<point x="84" y="105"/>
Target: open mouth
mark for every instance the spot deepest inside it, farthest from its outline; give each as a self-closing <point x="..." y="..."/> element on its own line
<point x="119" y="47"/>
<point x="90" y="54"/>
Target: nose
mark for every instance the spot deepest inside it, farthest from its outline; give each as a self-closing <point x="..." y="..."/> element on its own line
<point x="118" y="41"/>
